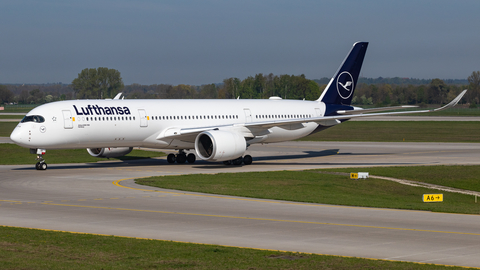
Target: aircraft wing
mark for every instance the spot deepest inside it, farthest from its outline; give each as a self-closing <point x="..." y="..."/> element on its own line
<point x="352" y="114"/>
<point x="189" y="134"/>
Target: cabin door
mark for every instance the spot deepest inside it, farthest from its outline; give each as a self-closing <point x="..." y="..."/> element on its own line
<point x="143" y="118"/>
<point x="67" y="119"/>
<point x="248" y="115"/>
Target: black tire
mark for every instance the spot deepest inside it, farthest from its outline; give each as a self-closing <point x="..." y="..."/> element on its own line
<point x="228" y="162"/>
<point x="37" y="166"/>
<point x="43" y="166"/>
<point x="191" y="158"/>
<point x="171" y="158"/>
<point x="247" y="160"/>
<point x="181" y="158"/>
<point x="237" y="161"/>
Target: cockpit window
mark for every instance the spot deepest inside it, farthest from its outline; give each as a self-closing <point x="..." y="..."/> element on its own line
<point x="33" y="118"/>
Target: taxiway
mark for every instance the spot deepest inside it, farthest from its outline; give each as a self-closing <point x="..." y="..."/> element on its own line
<point x="102" y="198"/>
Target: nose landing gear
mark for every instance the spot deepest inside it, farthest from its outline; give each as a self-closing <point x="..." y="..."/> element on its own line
<point x="41" y="165"/>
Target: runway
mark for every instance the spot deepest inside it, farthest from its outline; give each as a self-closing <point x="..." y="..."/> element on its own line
<point x="102" y="198"/>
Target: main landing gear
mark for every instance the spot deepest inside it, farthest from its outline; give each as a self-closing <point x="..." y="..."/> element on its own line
<point x="247" y="160"/>
<point x="40" y="165"/>
<point x="181" y="157"/>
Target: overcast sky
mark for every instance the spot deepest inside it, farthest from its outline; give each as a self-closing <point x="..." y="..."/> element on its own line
<point x="201" y="42"/>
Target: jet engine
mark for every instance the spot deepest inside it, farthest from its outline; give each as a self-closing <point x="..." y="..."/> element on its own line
<point x="109" y="152"/>
<point x="217" y="145"/>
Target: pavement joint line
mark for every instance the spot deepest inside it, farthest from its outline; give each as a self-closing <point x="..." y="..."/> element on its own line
<point x="250" y="218"/>
<point x="12" y="201"/>
<point x="262" y="219"/>
<point x="78" y="200"/>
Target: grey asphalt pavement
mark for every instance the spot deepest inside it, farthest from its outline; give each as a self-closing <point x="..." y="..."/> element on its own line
<point x="102" y="198"/>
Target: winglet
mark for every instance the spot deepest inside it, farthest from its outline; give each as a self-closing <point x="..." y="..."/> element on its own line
<point x="118" y="96"/>
<point x="452" y="103"/>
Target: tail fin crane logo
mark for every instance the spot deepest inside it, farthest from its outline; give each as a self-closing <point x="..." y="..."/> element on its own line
<point x="345" y="85"/>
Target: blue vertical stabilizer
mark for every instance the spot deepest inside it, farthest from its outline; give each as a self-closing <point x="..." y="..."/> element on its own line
<point x="339" y="90"/>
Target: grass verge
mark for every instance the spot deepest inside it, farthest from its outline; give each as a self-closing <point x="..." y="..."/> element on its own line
<point x="18" y="117"/>
<point x="318" y="187"/>
<point x="462" y="177"/>
<point x="19" y="108"/>
<point x="456" y="111"/>
<point x="37" y="249"/>
<point x="14" y="154"/>
<point x="398" y="131"/>
<point x="6" y="128"/>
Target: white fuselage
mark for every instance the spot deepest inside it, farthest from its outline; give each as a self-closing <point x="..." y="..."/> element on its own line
<point x="149" y="123"/>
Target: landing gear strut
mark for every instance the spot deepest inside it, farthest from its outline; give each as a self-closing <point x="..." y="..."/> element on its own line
<point x="41" y="164"/>
<point x="181" y="157"/>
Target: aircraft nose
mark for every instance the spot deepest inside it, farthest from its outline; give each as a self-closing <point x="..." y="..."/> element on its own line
<point x="17" y="135"/>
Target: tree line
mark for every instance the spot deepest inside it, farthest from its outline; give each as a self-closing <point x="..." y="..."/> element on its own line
<point x="435" y="92"/>
<point x="260" y="86"/>
<point x="34" y="93"/>
<point x="106" y="83"/>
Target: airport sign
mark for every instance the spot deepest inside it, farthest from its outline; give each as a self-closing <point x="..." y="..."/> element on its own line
<point x="432" y="197"/>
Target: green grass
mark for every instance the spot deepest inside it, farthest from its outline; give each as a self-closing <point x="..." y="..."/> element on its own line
<point x="37" y="249"/>
<point x="6" y="128"/>
<point x="18" y="108"/>
<point x="456" y="111"/>
<point x="13" y="154"/>
<point x="18" y="117"/>
<point x="459" y="110"/>
<point x="399" y="131"/>
<point x="317" y="187"/>
<point x="462" y="177"/>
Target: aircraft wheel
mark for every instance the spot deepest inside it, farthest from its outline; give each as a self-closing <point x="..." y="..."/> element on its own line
<point x="41" y="166"/>
<point x="171" y="158"/>
<point x="191" y="158"/>
<point x="228" y="162"/>
<point x="237" y="161"/>
<point x="181" y="158"/>
<point x="247" y="160"/>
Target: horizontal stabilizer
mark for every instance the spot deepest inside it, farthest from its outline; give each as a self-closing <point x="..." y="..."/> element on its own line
<point x="381" y="109"/>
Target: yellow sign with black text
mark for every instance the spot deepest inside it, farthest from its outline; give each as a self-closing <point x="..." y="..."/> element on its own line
<point x="432" y="197"/>
<point x="353" y="175"/>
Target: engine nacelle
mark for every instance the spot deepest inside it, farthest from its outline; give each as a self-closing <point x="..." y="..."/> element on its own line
<point x="109" y="152"/>
<point x="217" y="145"/>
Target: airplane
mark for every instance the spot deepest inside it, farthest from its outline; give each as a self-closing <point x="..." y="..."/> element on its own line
<point x="217" y="130"/>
